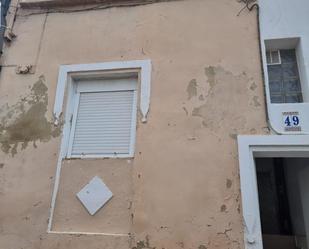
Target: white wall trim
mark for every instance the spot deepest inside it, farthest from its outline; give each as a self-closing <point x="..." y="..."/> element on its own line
<point x="86" y="233"/>
<point x="250" y="147"/>
<point x="65" y="81"/>
<point x="145" y="76"/>
<point x="281" y="21"/>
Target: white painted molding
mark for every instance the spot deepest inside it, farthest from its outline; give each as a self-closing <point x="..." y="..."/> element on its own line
<point x="64" y="79"/>
<point x="144" y="66"/>
<point x="250" y="147"/>
<point x="86" y="233"/>
<point x="286" y="21"/>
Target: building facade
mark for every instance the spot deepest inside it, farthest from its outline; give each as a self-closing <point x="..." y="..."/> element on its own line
<point x="149" y="124"/>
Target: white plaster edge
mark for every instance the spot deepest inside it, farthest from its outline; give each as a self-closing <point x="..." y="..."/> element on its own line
<point x="145" y="74"/>
<point x="271" y="106"/>
<point x="272" y="123"/>
<point x="55" y="191"/>
<point x="89" y="233"/>
<point x="247" y="146"/>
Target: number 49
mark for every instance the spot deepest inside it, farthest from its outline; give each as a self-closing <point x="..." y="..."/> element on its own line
<point x="291" y="120"/>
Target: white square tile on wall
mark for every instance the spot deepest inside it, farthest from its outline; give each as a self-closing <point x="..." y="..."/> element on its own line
<point x="94" y="195"/>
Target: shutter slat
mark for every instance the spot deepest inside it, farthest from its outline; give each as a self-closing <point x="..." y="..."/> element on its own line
<point x="103" y="119"/>
<point x="95" y="100"/>
<point x="94" y="152"/>
<point x="111" y="133"/>
<point x="106" y="105"/>
<point x="105" y="144"/>
<point x="107" y="130"/>
<point x="102" y="136"/>
<point x="103" y="123"/>
<point x="102" y="139"/>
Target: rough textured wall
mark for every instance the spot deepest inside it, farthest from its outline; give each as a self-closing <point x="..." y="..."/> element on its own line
<point x="102" y="3"/>
<point x="183" y="182"/>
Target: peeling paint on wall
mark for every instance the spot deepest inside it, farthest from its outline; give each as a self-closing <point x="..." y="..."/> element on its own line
<point x="229" y="183"/>
<point x="192" y="89"/>
<point x="25" y="121"/>
<point x="223" y="208"/>
<point x="210" y="73"/>
<point x="202" y="247"/>
<point x="253" y="86"/>
<point x="143" y="244"/>
<point x="256" y="102"/>
<point x="194" y="147"/>
<point x="208" y="99"/>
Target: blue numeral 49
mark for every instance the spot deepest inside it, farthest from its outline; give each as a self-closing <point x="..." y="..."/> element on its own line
<point x="288" y="121"/>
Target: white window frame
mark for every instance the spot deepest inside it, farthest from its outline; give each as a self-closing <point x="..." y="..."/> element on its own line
<point x="271" y="63"/>
<point x="249" y="148"/>
<point x="105" y="88"/>
<point x="275" y="110"/>
<point x="67" y="74"/>
<point x="65" y="83"/>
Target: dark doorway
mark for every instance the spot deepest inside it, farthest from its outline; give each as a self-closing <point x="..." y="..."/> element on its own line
<point x="280" y="199"/>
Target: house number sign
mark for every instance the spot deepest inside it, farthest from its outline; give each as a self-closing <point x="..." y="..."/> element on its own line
<point x="291" y="121"/>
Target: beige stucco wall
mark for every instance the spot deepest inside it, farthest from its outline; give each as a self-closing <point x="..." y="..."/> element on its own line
<point x="183" y="182"/>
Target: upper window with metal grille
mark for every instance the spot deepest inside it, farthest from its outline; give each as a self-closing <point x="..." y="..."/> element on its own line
<point x="283" y="74"/>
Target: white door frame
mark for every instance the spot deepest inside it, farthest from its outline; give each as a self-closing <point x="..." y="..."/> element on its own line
<point x="250" y="147"/>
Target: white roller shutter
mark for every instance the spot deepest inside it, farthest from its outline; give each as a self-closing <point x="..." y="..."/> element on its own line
<point x="103" y="124"/>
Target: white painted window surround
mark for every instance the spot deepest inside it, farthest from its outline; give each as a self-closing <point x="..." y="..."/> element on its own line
<point x="284" y="23"/>
<point x="103" y="123"/>
<point x="65" y="87"/>
<point x="250" y="147"/>
<point x="126" y="80"/>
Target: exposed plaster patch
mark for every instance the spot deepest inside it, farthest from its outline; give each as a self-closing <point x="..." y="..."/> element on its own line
<point x="253" y="131"/>
<point x="226" y="237"/>
<point x="197" y="112"/>
<point x="233" y="135"/>
<point x="229" y="183"/>
<point x="223" y="208"/>
<point x="192" y="89"/>
<point x="256" y="102"/>
<point x="202" y="247"/>
<point x="223" y="101"/>
<point x="181" y="244"/>
<point x="253" y="86"/>
<point x="186" y="111"/>
<point x="143" y="244"/>
<point x="211" y="75"/>
<point x="25" y="69"/>
<point x="25" y="121"/>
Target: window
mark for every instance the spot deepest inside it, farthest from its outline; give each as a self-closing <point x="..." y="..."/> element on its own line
<point x="273" y="57"/>
<point x="103" y="121"/>
<point x="101" y="99"/>
<point x="120" y="85"/>
<point x="283" y="74"/>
